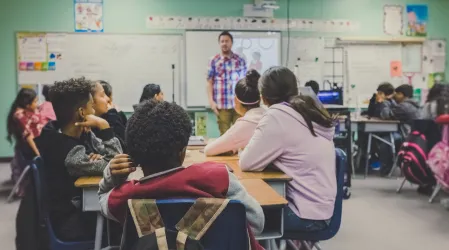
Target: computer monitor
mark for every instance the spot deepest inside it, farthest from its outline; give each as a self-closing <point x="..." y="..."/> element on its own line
<point x="330" y="97"/>
<point x="307" y="91"/>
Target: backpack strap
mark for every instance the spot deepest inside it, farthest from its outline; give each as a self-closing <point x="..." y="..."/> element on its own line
<point x="148" y="220"/>
<point x="198" y="219"/>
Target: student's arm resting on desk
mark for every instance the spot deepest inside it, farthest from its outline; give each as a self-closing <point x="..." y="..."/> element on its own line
<point x="108" y="183"/>
<point x="78" y="162"/>
<point x="254" y="212"/>
<point x="386" y="110"/>
<point x="264" y="147"/>
<point x="229" y="141"/>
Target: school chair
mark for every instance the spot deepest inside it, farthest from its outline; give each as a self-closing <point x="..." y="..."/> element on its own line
<point x="22" y="176"/>
<point x="44" y="221"/>
<point x="227" y="232"/>
<point x="311" y="239"/>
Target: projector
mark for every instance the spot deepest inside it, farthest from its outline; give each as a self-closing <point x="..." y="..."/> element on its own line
<point x="269" y="5"/>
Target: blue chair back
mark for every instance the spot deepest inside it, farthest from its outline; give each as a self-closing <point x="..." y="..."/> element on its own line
<point x="335" y="223"/>
<point x="44" y="221"/>
<point x="229" y="231"/>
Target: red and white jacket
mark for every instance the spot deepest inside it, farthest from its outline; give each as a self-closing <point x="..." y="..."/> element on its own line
<point x="199" y="180"/>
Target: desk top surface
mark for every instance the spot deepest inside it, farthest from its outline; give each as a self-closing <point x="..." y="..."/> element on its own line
<point x="257" y="188"/>
<point x="364" y="119"/>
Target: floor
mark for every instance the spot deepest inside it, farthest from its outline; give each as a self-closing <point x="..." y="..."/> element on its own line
<point x="375" y="218"/>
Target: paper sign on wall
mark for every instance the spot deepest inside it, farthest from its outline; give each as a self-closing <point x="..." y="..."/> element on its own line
<point x="393" y="22"/>
<point x="88" y="15"/>
<point x="396" y="69"/>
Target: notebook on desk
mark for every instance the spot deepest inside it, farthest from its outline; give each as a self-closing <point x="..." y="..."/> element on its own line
<point x="197" y="141"/>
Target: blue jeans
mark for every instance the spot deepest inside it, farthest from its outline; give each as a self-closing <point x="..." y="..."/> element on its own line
<point x="292" y="223"/>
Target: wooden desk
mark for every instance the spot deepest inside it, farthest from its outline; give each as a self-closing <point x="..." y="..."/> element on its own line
<point x="272" y="203"/>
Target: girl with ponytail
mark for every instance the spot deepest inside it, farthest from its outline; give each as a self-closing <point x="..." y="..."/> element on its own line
<point x="296" y="136"/>
<point x="247" y="105"/>
<point x="24" y="123"/>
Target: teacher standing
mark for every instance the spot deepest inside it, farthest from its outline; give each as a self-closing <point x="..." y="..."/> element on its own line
<point x="225" y="70"/>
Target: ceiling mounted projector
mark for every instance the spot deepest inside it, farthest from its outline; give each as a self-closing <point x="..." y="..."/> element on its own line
<point x="260" y="8"/>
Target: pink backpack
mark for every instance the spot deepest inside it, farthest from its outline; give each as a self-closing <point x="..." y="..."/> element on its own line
<point x="438" y="160"/>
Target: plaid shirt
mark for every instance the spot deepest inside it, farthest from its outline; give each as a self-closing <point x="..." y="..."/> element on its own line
<point x="226" y="72"/>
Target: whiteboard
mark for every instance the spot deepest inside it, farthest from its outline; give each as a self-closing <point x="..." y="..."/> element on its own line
<point x="201" y="46"/>
<point x="127" y="62"/>
<point x="367" y="67"/>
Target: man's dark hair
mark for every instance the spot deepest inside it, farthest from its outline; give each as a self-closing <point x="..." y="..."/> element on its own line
<point x="156" y="134"/>
<point x="406" y="90"/>
<point x="386" y="88"/>
<point x="45" y="92"/>
<point x="107" y="87"/>
<point x="68" y="96"/>
<point x="314" y="86"/>
<point x="226" y="33"/>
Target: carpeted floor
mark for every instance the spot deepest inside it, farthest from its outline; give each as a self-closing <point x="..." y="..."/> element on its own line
<point x="375" y="218"/>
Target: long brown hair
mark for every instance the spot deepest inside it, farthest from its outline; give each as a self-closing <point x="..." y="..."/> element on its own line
<point x="279" y="85"/>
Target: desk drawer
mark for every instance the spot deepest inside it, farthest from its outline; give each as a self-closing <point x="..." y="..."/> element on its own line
<point x="91" y="203"/>
<point x="381" y="127"/>
<point x="278" y="186"/>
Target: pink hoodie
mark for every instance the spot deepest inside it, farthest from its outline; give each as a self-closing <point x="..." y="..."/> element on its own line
<point x="238" y="135"/>
<point x="47" y="112"/>
<point x="283" y="139"/>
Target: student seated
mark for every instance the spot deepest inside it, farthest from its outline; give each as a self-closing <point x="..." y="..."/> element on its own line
<point x="69" y="150"/>
<point x="157" y="138"/>
<point x="404" y="108"/>
<point x="295" y="136"/>
<point x="436" y="101"/>
<point x="383" y="98"/>
<point x="108" y="91"/>
<point x="247" y="105"/>
<point x="104" y="108"/>
<point x="46" y="108"/>
<point x="314" y="86"/>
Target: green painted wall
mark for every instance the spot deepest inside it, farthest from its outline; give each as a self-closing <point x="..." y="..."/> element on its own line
<point x="129" y="17"/>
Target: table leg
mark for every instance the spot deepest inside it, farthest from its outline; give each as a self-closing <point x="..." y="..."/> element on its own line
<point x="99" y="231"/>
<point x="368" y="154"/>
<point x="393" y="150"/>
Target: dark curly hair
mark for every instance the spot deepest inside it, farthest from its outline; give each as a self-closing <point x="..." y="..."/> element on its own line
<point x="68" y="96"/>
<point x="156" y="135"/>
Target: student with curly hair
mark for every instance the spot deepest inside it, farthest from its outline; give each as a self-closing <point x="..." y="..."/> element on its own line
<point x="157" y="136"/>
<point x="70" y="151"/>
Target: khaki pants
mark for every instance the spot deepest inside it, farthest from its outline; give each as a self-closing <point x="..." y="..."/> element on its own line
<point x="225" y="119"/>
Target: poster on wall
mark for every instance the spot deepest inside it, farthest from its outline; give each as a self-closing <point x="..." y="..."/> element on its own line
<point x="88" y="15"/>
<point x="417" y="18"/>
<point x="393" y="22"/>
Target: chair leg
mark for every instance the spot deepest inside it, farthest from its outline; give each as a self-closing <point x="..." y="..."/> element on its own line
<point x="368" y="154"/>
<point x="16" y="186"/>
<point x="401" y="186"/>
<point x="306" y="245"/>
<point x="435" y="193"/>
<point x="283" y="245"/>
<point x="393" y="168"/>
<point x="292" y="244"/>
<point x="318" y="247"/>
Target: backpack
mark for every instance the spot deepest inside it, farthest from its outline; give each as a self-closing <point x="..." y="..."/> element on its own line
<point x="439" y="160"/>
<point x="194" y="224"/>
<point x="412" y="158"/>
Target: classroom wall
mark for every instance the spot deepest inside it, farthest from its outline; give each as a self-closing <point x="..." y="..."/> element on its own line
<point x="129" y="17"/>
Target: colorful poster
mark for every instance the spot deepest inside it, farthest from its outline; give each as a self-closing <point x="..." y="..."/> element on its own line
<point x="417" y="18"/>
<point x="88" y="15"/>
<point x="396" y="69"/>
<point x="434" y="78"/>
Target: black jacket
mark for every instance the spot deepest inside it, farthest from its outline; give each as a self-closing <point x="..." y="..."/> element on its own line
<point x="117" y="121"/>
<point x="65" y="160"/>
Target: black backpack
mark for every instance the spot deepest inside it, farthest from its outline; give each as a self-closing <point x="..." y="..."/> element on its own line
<point x="412" y="158"/>
<point x="194" y="224"/>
